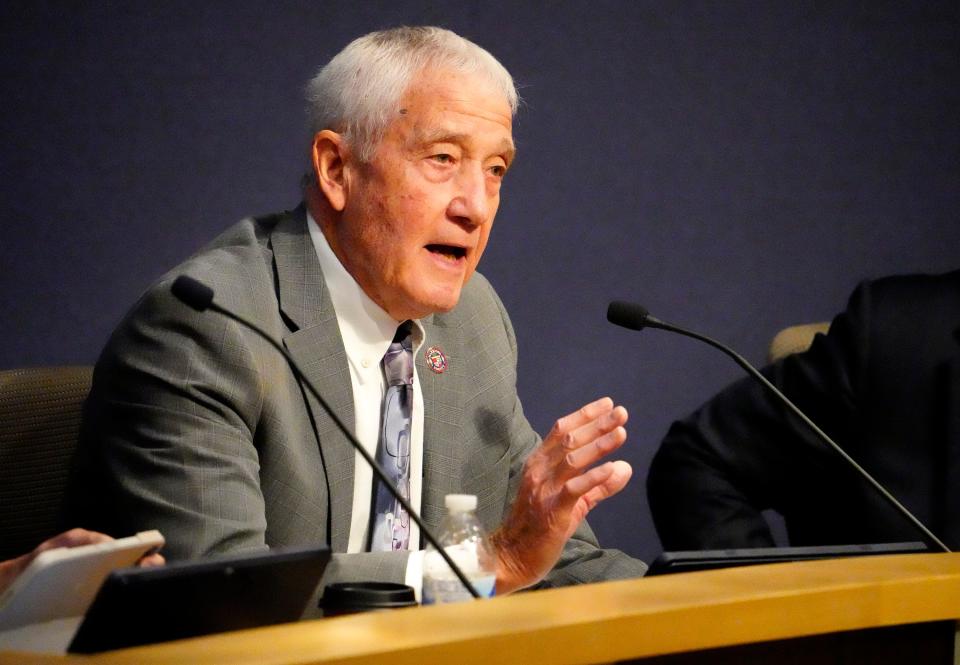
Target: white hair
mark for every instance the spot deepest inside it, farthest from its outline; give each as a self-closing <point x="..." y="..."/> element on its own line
<point x="358" y="92"/>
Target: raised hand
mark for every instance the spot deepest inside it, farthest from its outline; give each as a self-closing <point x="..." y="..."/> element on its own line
<point x="559" y="487"/>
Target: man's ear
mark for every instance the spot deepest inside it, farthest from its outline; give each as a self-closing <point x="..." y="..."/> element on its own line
<point x="329" y="155"/>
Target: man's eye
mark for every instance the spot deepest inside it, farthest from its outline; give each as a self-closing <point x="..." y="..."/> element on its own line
<point x="443" y="158"/>
<point x="498" y="171"/>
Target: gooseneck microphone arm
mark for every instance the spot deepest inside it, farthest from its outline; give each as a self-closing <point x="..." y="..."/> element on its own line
<point x="636" y="317"/>
<point x="199" y="296"/>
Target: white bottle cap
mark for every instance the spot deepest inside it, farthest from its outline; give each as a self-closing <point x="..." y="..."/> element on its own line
<point x="458" y="503"/>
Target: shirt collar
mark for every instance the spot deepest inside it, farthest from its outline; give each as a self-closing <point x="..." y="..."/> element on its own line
<point x="367" y="330"/>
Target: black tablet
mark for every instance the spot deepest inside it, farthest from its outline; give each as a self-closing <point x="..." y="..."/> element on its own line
<point x="686" y="562"/>
<point x="144" y="605"/>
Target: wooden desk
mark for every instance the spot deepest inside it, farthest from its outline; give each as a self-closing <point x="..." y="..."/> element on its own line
<point x="612" y="621"/>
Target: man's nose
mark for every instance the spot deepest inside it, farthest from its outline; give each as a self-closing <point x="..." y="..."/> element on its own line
<point x="471" y="201"/>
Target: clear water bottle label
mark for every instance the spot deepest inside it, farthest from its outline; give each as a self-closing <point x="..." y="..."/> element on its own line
<point x="449" y="589"/>
<point x="484" y="585"/>
<point x="440" y="585"/>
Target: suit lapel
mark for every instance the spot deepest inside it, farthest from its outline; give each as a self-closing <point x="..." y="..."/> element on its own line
<point x="316" y="346"/>
<point x="444" y="448"/>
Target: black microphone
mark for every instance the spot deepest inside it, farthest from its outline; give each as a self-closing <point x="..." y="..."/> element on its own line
<point x="199" y="296"/>
<point x="636" y="317"/>
<point x="196" y="294"/>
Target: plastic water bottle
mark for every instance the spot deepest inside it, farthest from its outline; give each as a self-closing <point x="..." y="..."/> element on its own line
<point x="466" y="542"/>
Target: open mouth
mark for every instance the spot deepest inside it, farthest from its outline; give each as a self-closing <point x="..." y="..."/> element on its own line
<point x="449" y="252"/>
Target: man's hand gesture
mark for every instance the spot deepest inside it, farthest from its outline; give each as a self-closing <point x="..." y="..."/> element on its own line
<point x="559" y="487"/>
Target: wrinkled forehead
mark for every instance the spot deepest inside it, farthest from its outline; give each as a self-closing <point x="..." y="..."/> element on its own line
<point x="469" y="94"/>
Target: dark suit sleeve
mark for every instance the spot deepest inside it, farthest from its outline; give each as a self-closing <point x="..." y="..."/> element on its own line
<point x="742" y="453"/>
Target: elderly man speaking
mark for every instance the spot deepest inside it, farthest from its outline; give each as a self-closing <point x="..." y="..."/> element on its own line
<point x="196" y="427"/>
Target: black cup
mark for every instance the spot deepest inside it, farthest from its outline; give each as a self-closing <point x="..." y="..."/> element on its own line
<point x="352" y="597"/>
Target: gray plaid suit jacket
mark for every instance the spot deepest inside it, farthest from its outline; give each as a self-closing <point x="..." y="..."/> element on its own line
<point x="197" y="427"/>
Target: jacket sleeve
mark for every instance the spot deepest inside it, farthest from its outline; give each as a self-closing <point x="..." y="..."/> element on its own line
<point x="742" y="452"/>
<point x="168" y="434"/>
<point x="172" y="439"/>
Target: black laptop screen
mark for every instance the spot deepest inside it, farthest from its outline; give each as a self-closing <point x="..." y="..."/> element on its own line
<point x="144" y="605"/>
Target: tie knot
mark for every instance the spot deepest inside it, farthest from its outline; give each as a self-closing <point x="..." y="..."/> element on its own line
<point x="404" y="331"/>
<point x="398" y="360"/>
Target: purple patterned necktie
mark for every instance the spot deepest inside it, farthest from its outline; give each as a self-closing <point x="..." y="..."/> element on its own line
<point x="390" y="529"/>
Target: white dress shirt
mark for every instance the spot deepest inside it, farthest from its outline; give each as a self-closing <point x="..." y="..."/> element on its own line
<point x="367" y="331"/>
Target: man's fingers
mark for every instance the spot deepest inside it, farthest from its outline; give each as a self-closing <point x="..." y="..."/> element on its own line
<point x="604" y="421"/>
<point x="598" y="483"/>
<point x="73" y="538"/>
<point x="151" y="560"/>
<point x="616" y="481"/>
<point x="599" y="447"/>
<point x="597" y="427"/>
<point x="580" y="417"/>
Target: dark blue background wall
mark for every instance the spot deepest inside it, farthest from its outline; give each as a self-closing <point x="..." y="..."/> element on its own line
<point x="736" y="166"/>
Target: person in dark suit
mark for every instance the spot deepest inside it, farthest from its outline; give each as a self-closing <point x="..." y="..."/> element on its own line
<point x="196" y="427"/>
<point x="884" y="383"/>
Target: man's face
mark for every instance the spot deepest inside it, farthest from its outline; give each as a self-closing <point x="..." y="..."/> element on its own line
<point x="417" y="216"/>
